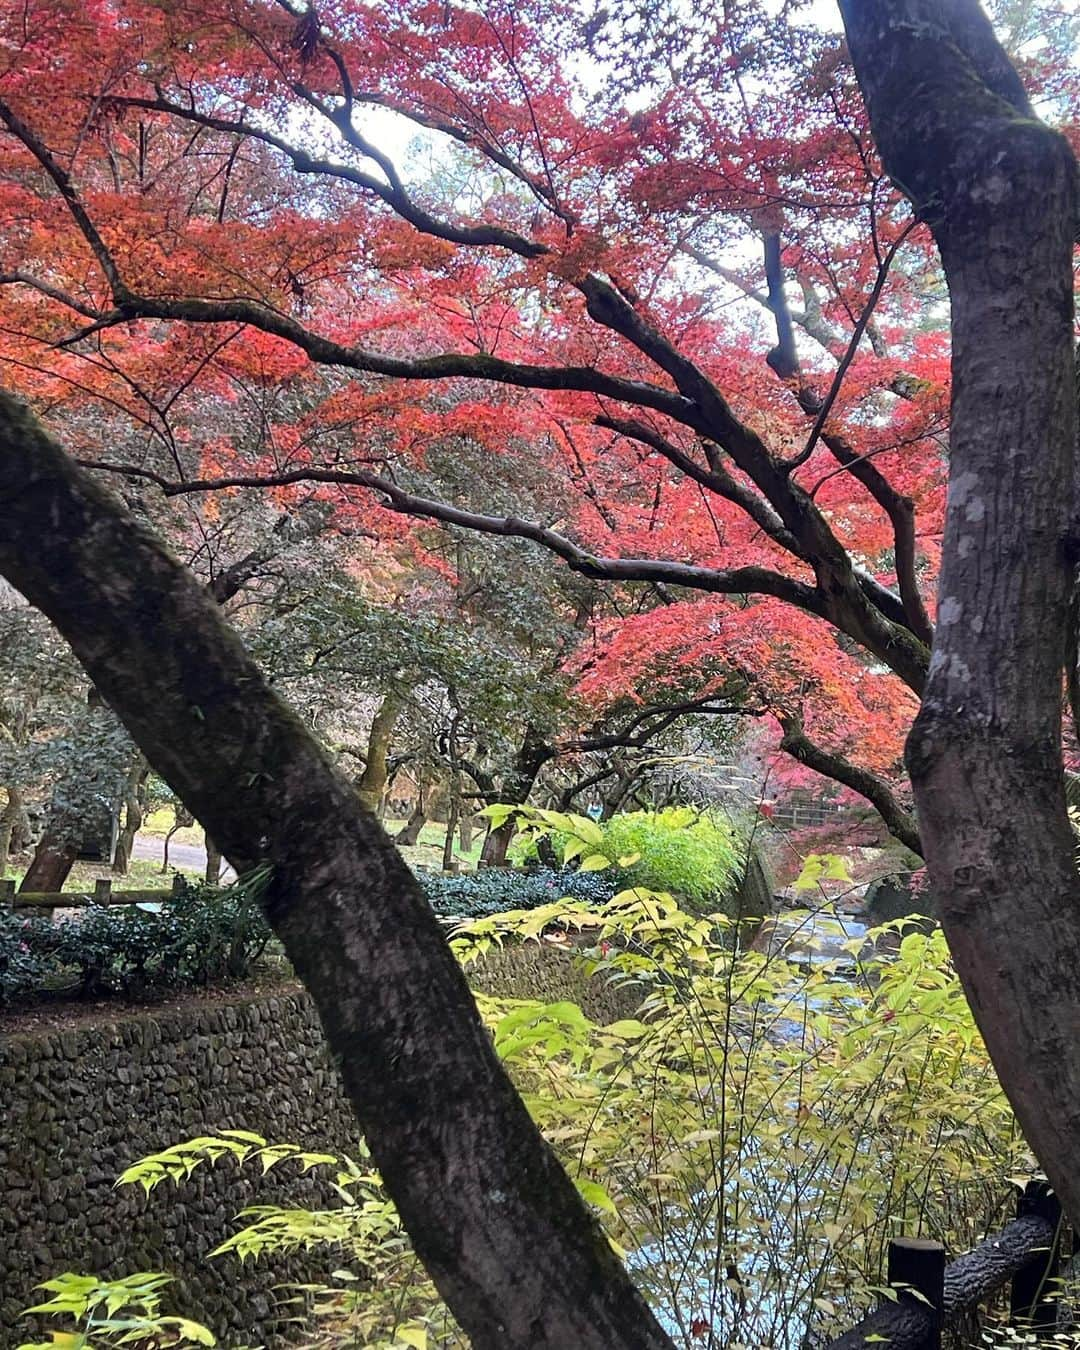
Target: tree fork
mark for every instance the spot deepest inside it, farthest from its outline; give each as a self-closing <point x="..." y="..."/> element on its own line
<point x="493" y="1216"/>
<point x="1000" y="191"/>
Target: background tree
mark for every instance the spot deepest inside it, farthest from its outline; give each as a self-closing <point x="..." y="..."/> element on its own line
<point x="610" y="345"/>
<point x="567" y="262"/>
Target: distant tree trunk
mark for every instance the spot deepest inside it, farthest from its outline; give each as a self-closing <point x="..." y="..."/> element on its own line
<point x="410" y="831"/>
<point x="182" y="820"/>
<point x="75" y="810"/>
<point x="14" y="825"/>
<point x="6" y="827"/>
<point x="22" y="834"/>
<point x="134" y="806"/>
<point x="53" y="858"/>
<point x="372" y="785"/>
<point x="466" y="829"/>
<point x="999" y="189"/>
<point x="212" y="875"/>
<point x="451" y="824"/>
<point x="518" y="784"/>
<point x="500" y="1227"/>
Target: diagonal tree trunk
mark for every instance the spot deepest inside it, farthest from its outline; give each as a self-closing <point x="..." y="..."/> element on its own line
<point x="492" y="1214"/>
<point x="999" y="189"/>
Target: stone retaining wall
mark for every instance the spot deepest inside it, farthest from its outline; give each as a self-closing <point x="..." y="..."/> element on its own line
<point x="79" y="1105"/>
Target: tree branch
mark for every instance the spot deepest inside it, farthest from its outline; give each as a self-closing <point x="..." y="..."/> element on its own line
<point x="716" y="478"/>
<point x="66" y="188"/>
<point x="900" y="822"/>
<point x="736" y="581"/>
<point x="392" y="193"/>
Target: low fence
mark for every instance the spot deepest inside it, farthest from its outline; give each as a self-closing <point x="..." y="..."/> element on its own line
<point x="102" y="894"/>
<point x="932" y="1297"/>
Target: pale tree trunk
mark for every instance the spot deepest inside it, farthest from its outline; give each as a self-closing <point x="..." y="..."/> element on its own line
<point x="212" y="873"/>
<point x="999" y="189"/>
<point x="494" y="1218"/>
<point x="13" y="821"/>
<point x="134" y="806"/>
<point x="372" y="785"/>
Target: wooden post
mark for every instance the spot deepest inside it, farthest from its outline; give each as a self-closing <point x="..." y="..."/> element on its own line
<point x="920" y="1265"/>
<point x="7" y="891"/>
<point x="1033" y="1298"/>
<point x="102" y="891"/>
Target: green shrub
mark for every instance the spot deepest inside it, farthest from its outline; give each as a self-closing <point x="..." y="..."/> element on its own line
<point x="200" y="935"/>
<point x="204" y="935"/>
<point x="24" y="967"/>
<point x="476" y="895"/>
<point x="787" y="1116"/>
<point x="693" y="855"/>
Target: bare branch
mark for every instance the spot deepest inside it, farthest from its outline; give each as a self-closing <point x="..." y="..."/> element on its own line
<point x="392" y="192"/>
<point x="736" y="581"/>
<point x="901" y="822"/>
<point x="19" y="278"/>
<point x="852" y="347"/>
<point x="716" y="478"/>
<point x="66" y="188"/>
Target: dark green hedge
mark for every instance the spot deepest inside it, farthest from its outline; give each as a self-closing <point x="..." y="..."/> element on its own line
<point x="200" y="936"/>
<point x="204" y="935"/>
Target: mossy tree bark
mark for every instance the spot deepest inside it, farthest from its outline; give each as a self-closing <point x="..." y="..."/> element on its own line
<point x="376" y="775"/>
<point x="492" y="1214"/>
<point x="999" y="189"/>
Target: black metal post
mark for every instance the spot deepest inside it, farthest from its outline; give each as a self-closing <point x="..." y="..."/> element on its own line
<point x="919" y="1264"/>
<point x="1033" y="1300"/>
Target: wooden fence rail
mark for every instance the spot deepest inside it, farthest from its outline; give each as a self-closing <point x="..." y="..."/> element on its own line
<point x="102" y="894"/>
<point x="933" y="1294"/>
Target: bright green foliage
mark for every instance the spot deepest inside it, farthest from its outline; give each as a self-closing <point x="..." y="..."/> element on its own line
<point x="692" y="854"/>
<point x="750" y="1140"/>
<point x="113" y="1313"/>
<point x="762" y="1128"/>
<point x="383" y="1299"/>
<point x="179" y="1161"/>
<point x="819" y="867"/>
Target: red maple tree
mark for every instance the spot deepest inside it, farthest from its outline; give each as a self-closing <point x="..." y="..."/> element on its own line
<point x="573" y="272"/>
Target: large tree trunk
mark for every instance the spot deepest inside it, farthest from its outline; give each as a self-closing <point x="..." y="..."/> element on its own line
<point x="999" y="189"/>
<point x="495" y="1219"/>
<point x="373" y="780"/>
